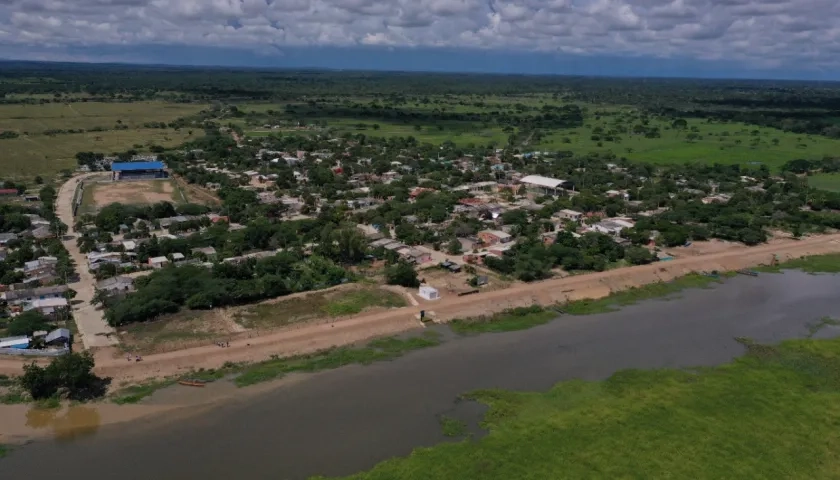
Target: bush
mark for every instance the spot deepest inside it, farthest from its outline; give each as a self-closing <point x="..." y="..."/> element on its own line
<point x="402" y="274"/>
<point x="70" y="376"/>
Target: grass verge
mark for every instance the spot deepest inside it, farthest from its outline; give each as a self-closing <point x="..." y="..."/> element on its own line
<point x="135" y="393"/>
<point x="375" y="351"/>
<point x="635" y="295"/>
<point x="509" y="320"/>
<point x="828" y="263"/>
<point x="770" y="414"/>
<point x="4" y="450"/>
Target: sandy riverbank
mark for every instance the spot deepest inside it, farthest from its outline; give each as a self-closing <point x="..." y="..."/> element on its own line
<point x="308" y="338"/>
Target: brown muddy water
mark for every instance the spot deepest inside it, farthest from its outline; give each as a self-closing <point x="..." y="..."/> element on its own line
<point x="347" y="420"/>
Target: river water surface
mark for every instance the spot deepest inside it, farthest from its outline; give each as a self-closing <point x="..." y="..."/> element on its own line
<point x="347" y="420"/>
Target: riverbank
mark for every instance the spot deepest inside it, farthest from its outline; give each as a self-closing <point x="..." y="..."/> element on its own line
<point x="310" y="338"/>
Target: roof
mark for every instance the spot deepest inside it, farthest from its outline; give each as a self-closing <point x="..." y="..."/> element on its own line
<point x="132" y="166"/>
<point x="49" y="303"/>
<point x="114" y="281"/>
<point x="495" y="233"/>
<point x="12" y="341"/>
<point x="8" y="191"/>
<point x="158" y="260"/>
<point x="57" y="334"/>
<point x="541" y="181"/>
<point x="35" y="292"/>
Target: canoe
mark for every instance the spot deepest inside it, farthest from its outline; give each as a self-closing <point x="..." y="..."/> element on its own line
<point x="192" y="383"/>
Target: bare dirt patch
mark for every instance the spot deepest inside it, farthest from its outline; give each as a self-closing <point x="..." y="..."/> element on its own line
<point x="175" y="332"/>
<point x="135" y="192"/>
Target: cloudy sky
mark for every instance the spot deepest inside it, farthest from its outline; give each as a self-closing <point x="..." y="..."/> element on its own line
<point x="760" y="38"/>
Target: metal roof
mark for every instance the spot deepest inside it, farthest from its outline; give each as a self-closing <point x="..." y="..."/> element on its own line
<point x="547" y="182"/>
<point x="131" y="166"/>
<point x="57" y="334"/>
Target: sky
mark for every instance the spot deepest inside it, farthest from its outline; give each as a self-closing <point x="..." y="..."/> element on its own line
<point x="797" y="39"/>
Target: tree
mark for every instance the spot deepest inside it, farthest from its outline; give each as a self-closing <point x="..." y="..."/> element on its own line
<point x="638" y="255"/>
<point x="454" y="247"/>
<point x="27" y="323"/>
<point x="403" y="274"/>
<point x="69" y="376"/>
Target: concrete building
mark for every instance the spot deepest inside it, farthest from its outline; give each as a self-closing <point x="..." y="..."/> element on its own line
<point x="158" y="262"/>
<point x="429" y="293"/>
<point x="493" y="237"/>
<point x="48" y="306"/>
<point x="118" y="285"/>
<point x="28" y="295"/>
<point x="567" y="214"/>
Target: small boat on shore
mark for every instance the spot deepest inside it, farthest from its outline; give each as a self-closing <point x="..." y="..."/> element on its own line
<point x="192" y="383"/>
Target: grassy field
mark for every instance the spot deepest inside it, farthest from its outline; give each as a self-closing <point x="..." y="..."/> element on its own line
<point x="825" y="181"/>
<point x="27" y="156"/>
<point x="317" y="305"/>
<point x="34" y="153"/>
<point x="770" y="414"/>
<point x="34" y="119"/>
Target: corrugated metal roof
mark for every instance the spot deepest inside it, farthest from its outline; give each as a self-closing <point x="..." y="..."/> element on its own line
<point x="57" y="334"/>
<point x="131" y="166"/>
<point x="542" y="181"/>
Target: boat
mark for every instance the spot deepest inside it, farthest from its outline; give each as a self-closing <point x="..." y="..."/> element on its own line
<point x="751" y="273"/>
<point x="192" y="383"/>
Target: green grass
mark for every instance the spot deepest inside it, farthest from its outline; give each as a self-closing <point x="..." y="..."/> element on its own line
<point x="27" y="156"/>
<point x="828" y="263"/>
<point x="135" y="393"/>
<point x="4" y="450"/>
<point x="772" y="413"/>
<point x="452" y="427"/>
<point x="635" y="295"/>
<point x="317" y="305"/>
<point x="825" y="181"/>
<point x="509" y="320"/>
<point x="713" y="146"/>
<point x="375" y="351"/>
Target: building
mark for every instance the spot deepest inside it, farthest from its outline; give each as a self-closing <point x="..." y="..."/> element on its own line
<point x="208" y="252"/>
<point x="118" y="285"/>
<point x="40" y="267"/>
<point x="545" y="185"/>
<point x="612" y="226"/>
<point x="97" y="259"/>
<point x="429" y="293"/>
<point x="567" y="214"/>
<point x="138" y="170"/>
<point x="48" y="306"/>
<point x="59" y="336"/>
<point x="15" y="342"/>
<point x="28" y="295"/>
<point x="492" y="237"/>
<point x="158" y="262"/>
<point x="415" y="255"/>
<point x="7" y="237"/>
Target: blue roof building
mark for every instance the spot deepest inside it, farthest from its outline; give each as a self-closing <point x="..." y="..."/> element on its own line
<point x="14" y="342"/>
<point x="136" y="166"/>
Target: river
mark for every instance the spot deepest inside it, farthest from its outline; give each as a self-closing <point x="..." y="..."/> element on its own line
<point x="346" y="420"/>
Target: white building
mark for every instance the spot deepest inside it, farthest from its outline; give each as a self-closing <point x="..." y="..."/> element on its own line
<point x="546" y="185"/>
<point x="429" y="293"/>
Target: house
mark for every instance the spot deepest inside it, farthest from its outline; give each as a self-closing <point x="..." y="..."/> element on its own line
<point x="612" y="226"/>
<point x="3" y="254"/>
<point x="416" y="255"/>
<point x="41" y="266"/>
<point x="208" y="252"/>
<point x="59" y="336"/>
<point x="97" y="259"/>
<point x="177" y="257"/>
<point x="428" y="292"/>
<point x="8" y="192"/>
<point x="500" y="250"/>
<point x="492" y="237"/>
<point x="7" y="237"/>
<point x="28" y="295"/>
<point x="567" y="214"/>
<point x="116" y="285"/>
<point x="48" y="306"/>
<point x="21" y="342"/>
<point x="618" y="193"/>
<point x="41" y="233"/>
<point x="717" y="198"/>
<point x="129" y="245"/>
<point x="158" y="262"/>
<point x="382" y="242"/>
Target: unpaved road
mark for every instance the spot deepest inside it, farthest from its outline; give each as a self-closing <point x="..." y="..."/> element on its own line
<point x="308" y="338"/>
<point x="95" y="332"/>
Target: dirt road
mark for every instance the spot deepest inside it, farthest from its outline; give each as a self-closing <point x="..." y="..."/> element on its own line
<point x="308" y="338"/>
<point x="95" y="332"/>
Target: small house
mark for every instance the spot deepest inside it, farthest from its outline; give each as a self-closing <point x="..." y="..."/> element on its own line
<point x="208" y="252"/>
<point x="158" y="262"/>
<point x="48" y="306"/>
<point x="177" y="257"/>
<point x="493" y="237"/>
<point x="116" y="285"/>
<point x="21" y="342"/>
<point x="428" y="292"/>
<point x="59" y="336"/>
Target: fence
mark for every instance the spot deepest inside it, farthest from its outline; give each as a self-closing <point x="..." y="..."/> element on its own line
<point x="30" y="352"/>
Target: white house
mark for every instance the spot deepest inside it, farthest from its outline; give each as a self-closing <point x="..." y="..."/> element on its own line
<point x="158" y="262"/>
<point x="48" y="306"/>
<point x="429" y="293"/>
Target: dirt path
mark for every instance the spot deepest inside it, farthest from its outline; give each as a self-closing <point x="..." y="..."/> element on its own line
<point x="312" y="337"/>
<point x="95" y="332"/>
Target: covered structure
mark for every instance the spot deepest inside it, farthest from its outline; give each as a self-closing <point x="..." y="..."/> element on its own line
<point x="21" y="342"/>
<point x="545" y="185"/>
<point x="138" y="170"/>
<point x="428" y="292"/>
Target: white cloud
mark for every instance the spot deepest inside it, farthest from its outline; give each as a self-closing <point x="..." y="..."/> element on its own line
<point x="757" y="32"/>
